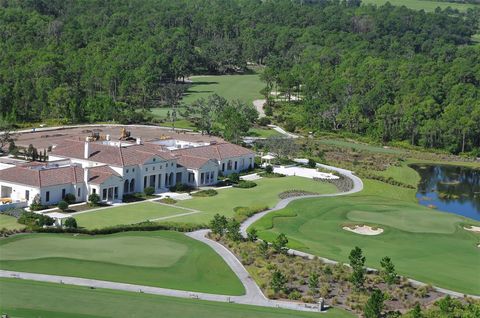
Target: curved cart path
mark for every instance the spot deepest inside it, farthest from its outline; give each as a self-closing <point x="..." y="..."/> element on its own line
<point x="357" y="187"/>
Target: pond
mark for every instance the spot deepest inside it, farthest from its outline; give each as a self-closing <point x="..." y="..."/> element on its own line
<point x="453" y="189"/>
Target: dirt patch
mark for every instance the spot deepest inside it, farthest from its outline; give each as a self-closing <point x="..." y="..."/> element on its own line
<point x="364" y="229"/>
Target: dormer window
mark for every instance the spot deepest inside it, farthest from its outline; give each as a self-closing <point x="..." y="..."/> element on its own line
<point x="154" y="159"/>
<point x="146" y="169"/>
<point x="127" y="170"/>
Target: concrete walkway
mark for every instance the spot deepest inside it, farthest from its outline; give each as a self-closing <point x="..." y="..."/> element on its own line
<point x="258" y="103"/>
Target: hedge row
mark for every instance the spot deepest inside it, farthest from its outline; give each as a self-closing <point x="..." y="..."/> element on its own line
<point x="144" y="226"/>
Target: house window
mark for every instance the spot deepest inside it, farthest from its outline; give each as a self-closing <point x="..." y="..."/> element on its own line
<point x="79" y="192"/>
<point x="47" y="196"/>
<point x="153" y="168"/>
<point x="104" y="196"/>
<point x="191" y="177"/>
<point x="146" y="169"/>
<point x="63" y="193"/>
<point x="127" y="170"/>
<point x="159" y="181"/>
<point x="94" y="191"/>
<point x="154" y="159"/>
<point x="212" y="176"/>
<point x="236" y="165"/>
<point x="145" y="181"/>
<point x="115" y="195"/>
<point x="27" y="195"/>
<point x="202" y="178"/>
<point x="133" y="170"/>
<point x="223" y="166"/>
<point x="132" y="185"/>
<point x="161" y="166"/>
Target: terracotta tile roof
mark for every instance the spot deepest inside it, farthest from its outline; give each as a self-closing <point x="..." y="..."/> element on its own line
<point x="217" y="151"/>
<point x="132" y="154"/>
<point x="35" y="176"/>
<point x="98" y="175"/>
<point x="192" y="162"/>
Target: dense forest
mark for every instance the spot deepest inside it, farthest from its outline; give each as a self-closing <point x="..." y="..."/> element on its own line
<point x="387" y="72"/>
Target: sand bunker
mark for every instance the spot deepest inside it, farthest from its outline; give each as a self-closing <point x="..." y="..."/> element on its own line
<point x="364" y="230"/>
<point x="472" y="228"/>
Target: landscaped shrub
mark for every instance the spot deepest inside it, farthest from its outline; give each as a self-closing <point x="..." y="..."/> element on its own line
<point x="70" y="198"/>
<point x="269" y="169"/>
<point x="93" y="199"/>
<point x="311" y="163"/>
<point x="168" y="200"/>
<point x="180" y="187"/>
<point x="234" y="177"/>
<point x="264" y="121"/>
<point x="63" y="205"/>
<point x="241" y="212"/>
<point x="36" y="204"/>
<point x="205" y="193"/>
<point x="149" y="191"/>
<point x="70" y="223"/>
<point x="245" y="184"/>
<point x="35" y="219"/>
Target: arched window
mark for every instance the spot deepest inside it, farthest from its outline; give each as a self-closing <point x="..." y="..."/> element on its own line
<point x="132" y="185"/>
<point x="126" y="186"/>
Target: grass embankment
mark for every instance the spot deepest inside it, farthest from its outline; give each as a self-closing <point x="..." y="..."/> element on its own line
<point x="126" y="214"/>
<point x="161" y="259"/>
<point x="423" y="4"/>
<point x="10" y="223"/>
<point x="21" y="298"/>
<point x="424" y="244"/>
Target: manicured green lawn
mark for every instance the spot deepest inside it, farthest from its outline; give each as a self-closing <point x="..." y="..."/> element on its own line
<point x="264" y="194"/>
<point x="422" y="4"/>
<point x="263" y="132"/>
<point x="9" y="222"/>
<point x="243" y="87"/>
<point x="424" y="244"/>
<point x="20" y="298"/>
<point x="161" y="258"/>
<point x="127" y="214"/>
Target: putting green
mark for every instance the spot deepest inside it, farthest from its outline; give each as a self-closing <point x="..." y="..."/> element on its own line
<point x="161" y="258"/>
<point x="23" y="298"/>
<point x="424" y="244"/>
<point x="102" y="249"/>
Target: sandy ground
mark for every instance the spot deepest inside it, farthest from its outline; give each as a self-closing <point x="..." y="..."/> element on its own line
<point x="364" y="230"/>
<point x="45" y="138"/>
<point x="258" y="103"/>
<point x="472" y="228"/>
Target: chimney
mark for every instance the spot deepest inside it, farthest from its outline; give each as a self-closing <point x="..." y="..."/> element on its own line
<point x="139" y="141"/>
<point x="86" y="153"/>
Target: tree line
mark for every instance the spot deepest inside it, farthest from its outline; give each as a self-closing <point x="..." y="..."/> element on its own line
<point x="387" y="72"/>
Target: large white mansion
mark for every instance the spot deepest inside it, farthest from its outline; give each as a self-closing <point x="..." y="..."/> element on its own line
<point x="114" y="168"/>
